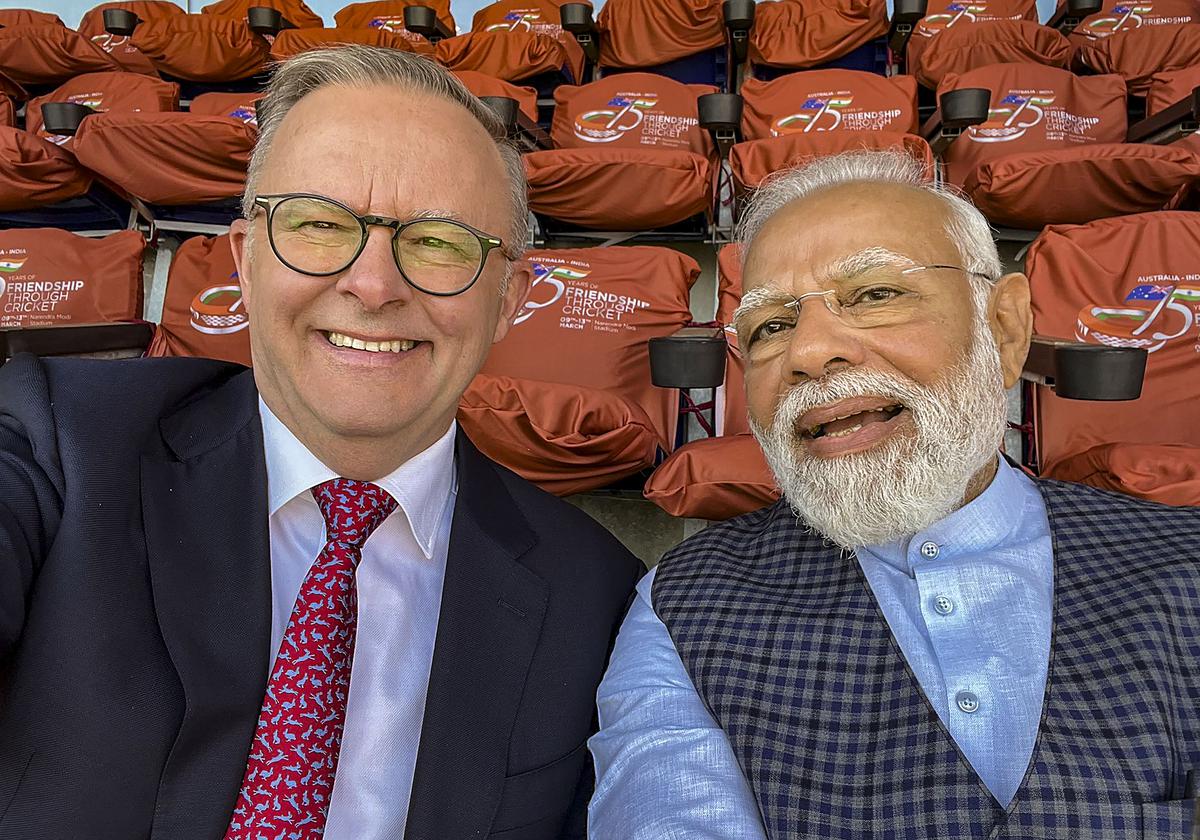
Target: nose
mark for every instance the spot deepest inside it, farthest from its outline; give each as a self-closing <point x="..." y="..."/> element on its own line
<point x="821" y="342"/>
<point x="374" y="278"/>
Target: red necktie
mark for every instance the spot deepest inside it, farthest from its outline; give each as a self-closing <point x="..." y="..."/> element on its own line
<point x="289" y="775"/>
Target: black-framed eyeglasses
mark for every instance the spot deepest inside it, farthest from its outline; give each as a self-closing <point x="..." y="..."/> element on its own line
<point x="320" y="237"/>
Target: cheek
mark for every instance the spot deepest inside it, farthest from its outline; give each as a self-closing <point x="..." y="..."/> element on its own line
<point x="763" y="390"/>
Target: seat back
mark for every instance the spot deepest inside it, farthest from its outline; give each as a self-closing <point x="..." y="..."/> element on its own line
<point x="1117" y="16"/>
<point x="1138" y="54"/>
<point x="514" y="56"/>
<point x="630" y="111"/>
<point x="292" y="42"/>
<point x="20" y="17"/>
<point x="119" y="92"/>
<point x="802" y="34"/>
<point x="482" y="85"/>
<point x="521" y="16"/>
<point x="238" y="106"/>
<point x="1033" y="109"/>
<point x="587" y="319"/>
<point x="941" y="15"/>
<point x="1167" y="88"/>
<point x="296" y="12"/>
<point x="120" y="47"/>
<point x="202" y="48"/>
<point x="828" y="100"/>
<point x="203" y="315"/>
<point x="638" y="34"/>
<point x="1122" y="282"/>
<point x="964" y="48"/>
<point x="48" y="54"/>
<point x="388" y="15"/>
<point x="50" y="277"/>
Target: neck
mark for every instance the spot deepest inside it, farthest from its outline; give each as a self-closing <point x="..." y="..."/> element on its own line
<point x="362" y="457"/>
<point x="980" y="481"/>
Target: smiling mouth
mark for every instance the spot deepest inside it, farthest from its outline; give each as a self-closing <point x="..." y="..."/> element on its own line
<point x="399" y="345"/>
<point x="848" y="424"/>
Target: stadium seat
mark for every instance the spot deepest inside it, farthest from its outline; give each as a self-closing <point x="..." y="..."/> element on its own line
<point x="1173" y="86"/>
<point x="566" y="398"/>
<point x="61" y="293"/>
<point x="629" y="156"/>
<point x="483" y="85"/>
<point x="964" y="47"/>
<point x="1124" y="282"/>
<point x="292" y="42"/>
<point x="116" y="43"/>
<point x="203" y="314"/>
<point x="47" y="54"/>
<point x="942" y="15"/>
<point x="202" y="48"/>
<point x="1051" y="150"/>
<point x="121" y="92"/>
<point x="538" y="17"/>
<point x="804" y="34"/>
<point x="540" y="60"/>
<point x="42" y="182"/>
<point x="685" y="40"/>
<point x="724" y="475"/>
<point x="1138" y="54"/>
<point x="820" y="112"/>
<point x="201" y="156"/>
<point x="389" y="15"/>
<point x="1117" y="16"/>
<point x="296" y="12"/>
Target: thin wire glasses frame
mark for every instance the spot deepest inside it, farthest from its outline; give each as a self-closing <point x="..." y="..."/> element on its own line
<point x="487" y="242"/>
<point x="836" y="307"/>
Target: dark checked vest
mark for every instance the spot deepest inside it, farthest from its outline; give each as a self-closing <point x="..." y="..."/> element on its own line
<point x="792" y="655"/>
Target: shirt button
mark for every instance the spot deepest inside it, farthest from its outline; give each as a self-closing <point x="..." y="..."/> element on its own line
<point x="943" y="605"/>
<point x="967" y="702"/>
<point x="930" y="550"/>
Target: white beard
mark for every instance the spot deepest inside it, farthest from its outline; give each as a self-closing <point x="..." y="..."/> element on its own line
<point x="909" y="482"/>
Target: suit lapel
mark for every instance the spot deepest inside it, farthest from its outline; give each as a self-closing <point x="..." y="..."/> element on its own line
<point x="204" y="505"/>
<point x="491" y="617"/>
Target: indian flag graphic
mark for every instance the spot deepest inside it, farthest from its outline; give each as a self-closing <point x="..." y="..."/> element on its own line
<point x="11" y="265"/>
<point x="1188" y="294"/>
<point x="558" y="272"/>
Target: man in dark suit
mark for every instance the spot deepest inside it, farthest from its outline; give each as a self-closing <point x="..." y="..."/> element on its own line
<point x="297" y="602"/>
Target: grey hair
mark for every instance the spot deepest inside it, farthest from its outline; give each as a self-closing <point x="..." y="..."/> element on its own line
<point x="966" y="227"/>
<point x="354" y="65"/>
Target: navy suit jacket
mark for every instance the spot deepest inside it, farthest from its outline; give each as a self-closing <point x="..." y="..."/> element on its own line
<point x="135" y="614"/>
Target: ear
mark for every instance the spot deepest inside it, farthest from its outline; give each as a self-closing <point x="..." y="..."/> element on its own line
<point x="514" y="296"/>
<point x="1011" y="322"/>
<point x="238" y="240"/>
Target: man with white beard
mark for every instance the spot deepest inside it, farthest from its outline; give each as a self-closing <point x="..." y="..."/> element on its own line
<point x="918" y="640"/>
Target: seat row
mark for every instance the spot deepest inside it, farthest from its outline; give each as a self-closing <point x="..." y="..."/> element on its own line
<point x="698" y="41"/>
<point x="1114" y="295"/>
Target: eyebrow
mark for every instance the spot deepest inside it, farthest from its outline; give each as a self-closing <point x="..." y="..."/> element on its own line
<point x="437" y="214"/>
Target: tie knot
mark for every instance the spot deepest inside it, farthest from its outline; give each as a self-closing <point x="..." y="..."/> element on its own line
<point x="352" y="509"/>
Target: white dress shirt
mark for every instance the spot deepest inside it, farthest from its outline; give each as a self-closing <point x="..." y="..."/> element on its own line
<point x="399" y="583"/>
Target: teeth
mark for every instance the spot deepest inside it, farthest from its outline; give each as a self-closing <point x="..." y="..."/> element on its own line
<point x="397" y="346"/>
<point x="847" y="431"/>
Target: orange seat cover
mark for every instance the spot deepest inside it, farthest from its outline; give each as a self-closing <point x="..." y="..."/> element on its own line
<point x="48" y="54"/>
<point x="119" y="92"/>
<point x="828" y="100"/>
<point x="482" y="85"/>
<point x="119" y="47"/>
<point x="963" y="48"/>
<point x="202" y="48"/>
<point x="203" y="313"/>
<point x="646" y="33"/>
<point x="807" y="33"/>
<point x="1125" y="282"/>
<point x="1138" y="54"/>
<point x="754" y="160"/>
<point x="50" y="277"/>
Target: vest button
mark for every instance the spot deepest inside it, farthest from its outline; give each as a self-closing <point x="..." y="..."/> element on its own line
<point x="930" y="549"/>
<point x="943" y="605"/>
<point x="967" y="702"/>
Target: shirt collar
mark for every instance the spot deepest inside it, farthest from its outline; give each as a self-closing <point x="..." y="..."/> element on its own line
<point x="422" y="486"/>
<point x="982" y="524"/>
